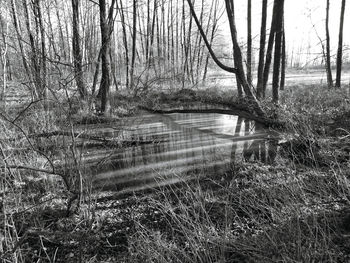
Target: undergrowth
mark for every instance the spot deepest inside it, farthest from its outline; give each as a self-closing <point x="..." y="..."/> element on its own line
<point x="295" y="210"/>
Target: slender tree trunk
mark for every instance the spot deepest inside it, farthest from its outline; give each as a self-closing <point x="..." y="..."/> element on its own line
<point x="278" y="49"/>
<point x="4" y="60"/>
<point x="34" y="56"/>
<point x="62" y="40"/>
<point x="328" y="50"/>
<point x="151" y="55"/>
<point x="105" y="46"/>
<point x="52" y="42"/>
<point x="77" y="58"/>
<point x="237" y="53"/>
<point x="38" y="14"/>
<point x="262" y="50"/>
<point x="269" y="48"/>
<point x="213" y="31"/>
<point x="249" y="42"/>
<point x="283" y="60"/>
<point x="133" y="53"/>
<point x="340" y="46"/>
<point x="125" y="41"/>
<point x="20" y="39"/>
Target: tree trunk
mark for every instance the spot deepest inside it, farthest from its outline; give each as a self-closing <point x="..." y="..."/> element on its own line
<point x="213" y="31"/>
<point x="269" y="48"/>
<point x="133" y="53"/>
<point x="20" y="39"/>
<point x="62" y="40"/>
<point x="237" y="53"/>
<point x="105" y="71"/>
<point x="328" y="50"/>
<point x="249" y="42"/>
<point x="278" y="49"/>
<point x="340" y="46"/>
<point x="34" y="54"/>
<point x="77" y="58"/>
<point x="125" y="42"/>
<point x="262" y="50"/>
<point x="283" y="60"/>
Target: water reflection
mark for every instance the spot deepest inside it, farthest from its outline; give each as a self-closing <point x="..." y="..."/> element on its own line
<point x="185" y="145"/>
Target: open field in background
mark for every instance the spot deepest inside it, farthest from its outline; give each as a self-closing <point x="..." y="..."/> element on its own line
<point x="293" y="77"/>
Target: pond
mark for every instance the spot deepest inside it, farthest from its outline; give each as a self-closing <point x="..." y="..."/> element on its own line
<point x="173" y="148"/>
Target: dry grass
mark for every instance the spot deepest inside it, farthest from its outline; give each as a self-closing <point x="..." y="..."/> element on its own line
<point x="292" y="211"/>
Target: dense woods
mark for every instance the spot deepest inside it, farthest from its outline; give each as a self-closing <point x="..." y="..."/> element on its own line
<point x="138" y="44"/>
<point x="174" y="131"/>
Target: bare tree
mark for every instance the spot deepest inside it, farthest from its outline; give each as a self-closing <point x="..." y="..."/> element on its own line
<point x="340" y="45"/>
<point x="283" y="59"/>
<point x="125" y="42"/>
<point x="133" y="53"/>
<point x="249" y="41"/>
<point x="40" y="23"/>
<point x="106" y="29"/>
<point x="4" y="59"/>
<point x="237" y="54"/>
<point x="77" y="57"/>
<point x="262" y="50"/>
<point x="328" y="51"/>
<point x="278" y="50"/>
<point x="269" y="48"/>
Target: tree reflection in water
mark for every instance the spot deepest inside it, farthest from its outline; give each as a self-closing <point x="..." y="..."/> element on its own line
<point x="185" y="145"/>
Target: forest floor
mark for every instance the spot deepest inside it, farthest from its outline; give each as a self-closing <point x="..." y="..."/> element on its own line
<point x="294" y="210"/>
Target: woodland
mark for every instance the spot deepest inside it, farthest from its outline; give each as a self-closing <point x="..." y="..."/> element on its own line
<point x="169" y="131"/>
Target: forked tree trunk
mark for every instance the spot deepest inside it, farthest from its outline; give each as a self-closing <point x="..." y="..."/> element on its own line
<point x="237" y="55"/>
<point x="268" y="59"/>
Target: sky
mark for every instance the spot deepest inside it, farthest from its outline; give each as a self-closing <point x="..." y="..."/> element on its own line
<point x="304" y="19"/>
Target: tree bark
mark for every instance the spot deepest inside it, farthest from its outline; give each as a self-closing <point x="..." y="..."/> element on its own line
<point x="283" y="60"/>
<point x="237" y="55"/>
<point x="340" y="46"/>
<point x="105" y="46"/>
<point x="278" y="51"/>
<point x="77" y="57"/>
<point x="216" y="60"/>
<point x="133" y="53"/>
<point x="249" y="42"/>
<point x="262" y="50"/>
<point x="34" y="54"/>
<point x="328" y="50"/>
<point x="269" y="49"/>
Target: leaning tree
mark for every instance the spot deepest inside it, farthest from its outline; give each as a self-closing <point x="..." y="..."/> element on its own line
<point x="238" y="70"/>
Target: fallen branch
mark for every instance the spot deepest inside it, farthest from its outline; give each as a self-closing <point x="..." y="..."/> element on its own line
<point x="115" y="142"/>
<point x="35" y="169"/>
<point x="237" y="112"/>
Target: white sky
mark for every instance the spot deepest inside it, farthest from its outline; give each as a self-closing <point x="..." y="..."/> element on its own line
<point x="300" y="15"/>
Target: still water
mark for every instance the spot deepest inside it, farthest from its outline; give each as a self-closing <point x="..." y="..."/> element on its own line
<point x="181" y="147"/>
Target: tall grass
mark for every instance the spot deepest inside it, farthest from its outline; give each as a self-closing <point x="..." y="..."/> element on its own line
<point x="257" y="214"/>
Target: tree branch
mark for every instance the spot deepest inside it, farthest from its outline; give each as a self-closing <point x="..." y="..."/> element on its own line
<point x="217" y="61"/>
